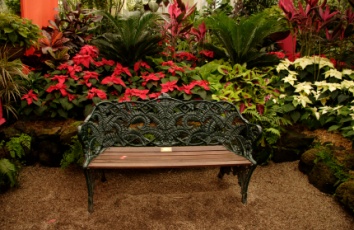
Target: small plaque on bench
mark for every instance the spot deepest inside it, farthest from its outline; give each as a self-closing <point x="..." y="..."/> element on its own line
<point x="166" y="149"/>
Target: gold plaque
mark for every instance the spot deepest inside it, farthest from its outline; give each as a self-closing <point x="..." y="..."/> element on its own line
<point x="166" y="149"/>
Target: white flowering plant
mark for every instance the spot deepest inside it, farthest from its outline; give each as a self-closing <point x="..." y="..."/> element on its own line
<point x="315" y="93"/>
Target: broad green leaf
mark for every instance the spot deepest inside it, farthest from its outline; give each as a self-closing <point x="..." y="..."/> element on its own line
<point x="334" y="127"/>
<point x="288" y="108"/>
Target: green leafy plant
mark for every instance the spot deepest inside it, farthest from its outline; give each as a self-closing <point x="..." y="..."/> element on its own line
<point x="242" y="41"/>
<point x="18" y="31"/>
<point x="250" y="90"/>
<point x="132" y="39"/>
<point x="17" y="146"/>
<point x="14" y="6"/>
<point x="13" y="153"/>
<point x="74" y="155"/>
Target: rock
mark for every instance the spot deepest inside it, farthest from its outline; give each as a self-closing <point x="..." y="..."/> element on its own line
<point x="349" y="160"/>
<point x="345" y="194"/>
<point x="323" y="178"/>
<point x="50" y="139"/>
<point x="307" y="160"/>
<point x="68" y="131"/>
<point x="48" y="149"/>
<point x="291" y="146"/>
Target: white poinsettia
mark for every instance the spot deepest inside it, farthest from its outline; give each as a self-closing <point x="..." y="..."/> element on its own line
<point x="303" y="62"/>
<point x="333" y="73"/>
<point x="325" y="109"/>
<point x="333" y="86"/>
<point x="301" y="99"/>
<point x="347" y="84"/>
<point x="351" y="108"/>
<point x="316" y="113"/>
<point x="347" y="72"/>
<point x="304" y="87"/>
<point x="283" y="65"/>
<point x="317" y="94"/>
<point x="321" y="86"/>
<point x="291" y="78"/>
<point x="322" y="62"/>
<point x="337" y="108"/>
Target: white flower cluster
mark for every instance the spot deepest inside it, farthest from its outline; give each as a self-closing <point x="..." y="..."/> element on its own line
<point x="305" y="89"/>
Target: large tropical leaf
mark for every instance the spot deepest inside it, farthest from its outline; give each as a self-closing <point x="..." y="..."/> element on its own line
<point x="242" y="41"/>
<point x="133" y="38"/>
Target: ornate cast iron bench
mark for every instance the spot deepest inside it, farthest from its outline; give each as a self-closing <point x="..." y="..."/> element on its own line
<point x="167" y="133"/>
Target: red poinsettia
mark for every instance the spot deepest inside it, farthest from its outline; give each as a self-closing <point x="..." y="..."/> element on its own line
<point x="30" y="96"/>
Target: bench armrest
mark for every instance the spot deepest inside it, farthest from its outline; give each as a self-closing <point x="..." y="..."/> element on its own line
<point x="243" y="141"/>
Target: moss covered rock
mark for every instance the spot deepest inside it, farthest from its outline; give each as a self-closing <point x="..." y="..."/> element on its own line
<point x="307" y="160"/>
<point x="345" y="194"/>
<point x="323" y="178"/>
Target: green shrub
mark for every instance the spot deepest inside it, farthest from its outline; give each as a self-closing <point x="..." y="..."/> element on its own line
<point x="14" y="151"/>
<point x="74" y="155"/>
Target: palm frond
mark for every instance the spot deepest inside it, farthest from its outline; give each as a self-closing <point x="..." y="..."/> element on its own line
<point x="133" y="38"/>
<point x="242" y="40"/>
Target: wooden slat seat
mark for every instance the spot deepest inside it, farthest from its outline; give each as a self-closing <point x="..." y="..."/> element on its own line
<point x="167" y="157"/>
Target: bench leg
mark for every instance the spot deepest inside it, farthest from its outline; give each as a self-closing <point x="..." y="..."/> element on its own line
<point x="89" y="182"/>
<point x="243" y="173"/>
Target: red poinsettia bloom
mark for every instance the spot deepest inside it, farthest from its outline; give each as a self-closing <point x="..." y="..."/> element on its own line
<point x="120" y="69"/>
<point x="187" y="88"/>
<point x="202" y="83"/>
<point x="84" y="60"/>
<point x="89" y="75"/>
<point x="96" y="92"/>
<point x="186" y="55"/>
<point x="207" y="53"/>
<point x="125" y="97"/>
<point x="71" y="97"/>
<point x="140" y="64"/>
<point x="168" y="63"/>
<point x="169" y="86"/>
<point x="72" y="70"/>
<point x="151" y="77"/>
<point x="63" y="66"/>
<point x="104" y="62"/>
<point x="61" y="87"/>
<point x="89" y="50"/>
<point x="141" y="93"/>
<point x="113" y="80"/>
<point x="280" y="55"/>
<point x="154" y="95"/>
<point x="30" y="96"/>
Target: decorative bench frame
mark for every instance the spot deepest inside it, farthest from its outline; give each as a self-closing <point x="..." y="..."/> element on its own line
<point x="167" y="133"/>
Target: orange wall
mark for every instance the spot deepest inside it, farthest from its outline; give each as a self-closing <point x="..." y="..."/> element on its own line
<point x="39" y="11"/>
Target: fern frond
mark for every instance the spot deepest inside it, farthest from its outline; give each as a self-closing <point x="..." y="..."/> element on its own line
<point x="9" y="170"/>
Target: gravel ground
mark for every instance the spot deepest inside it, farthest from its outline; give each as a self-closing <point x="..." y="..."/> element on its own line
<point x="280" y="197"/>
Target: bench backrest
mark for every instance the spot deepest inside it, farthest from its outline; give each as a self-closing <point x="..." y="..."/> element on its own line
<point x="168" y="122"/>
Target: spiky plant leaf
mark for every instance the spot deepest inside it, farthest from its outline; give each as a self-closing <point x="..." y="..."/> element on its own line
<point x="242" y="40"/>
<point x="133" y="38"/>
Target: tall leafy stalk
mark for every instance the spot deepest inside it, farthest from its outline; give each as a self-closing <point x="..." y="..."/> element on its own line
<point x="10" y="89"/>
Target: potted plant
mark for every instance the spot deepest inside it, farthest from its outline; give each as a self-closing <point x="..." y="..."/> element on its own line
<point x="16" y="34"/>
